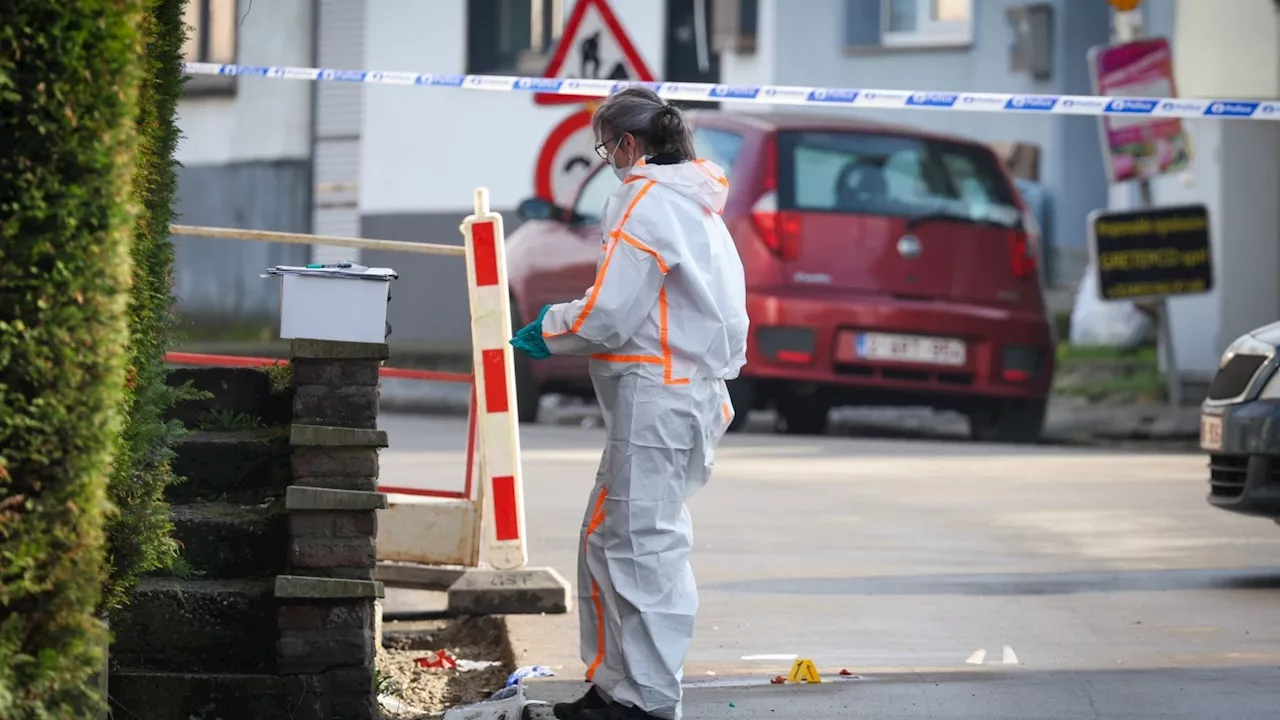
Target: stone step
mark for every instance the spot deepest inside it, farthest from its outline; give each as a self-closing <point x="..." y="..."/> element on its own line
<point x="150" y="695"/>
<point x="196" y="626"/>
<point x="341" y="694"/>
<point x="244" y="394"/>
<point x="248" y="466"/>
<point x="225" y="540"/>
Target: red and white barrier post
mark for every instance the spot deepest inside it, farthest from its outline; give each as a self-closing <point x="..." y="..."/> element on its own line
<point x="433" y="539"/>
<point x="502" y="488"/>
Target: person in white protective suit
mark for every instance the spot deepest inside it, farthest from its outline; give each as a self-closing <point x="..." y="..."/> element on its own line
<point x="665" y="325"/>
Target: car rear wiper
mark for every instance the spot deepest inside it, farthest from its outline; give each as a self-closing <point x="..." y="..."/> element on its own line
<point x="945" y="215"/>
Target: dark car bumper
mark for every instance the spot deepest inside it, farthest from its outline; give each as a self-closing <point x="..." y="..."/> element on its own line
<point x="1244" y="475"/>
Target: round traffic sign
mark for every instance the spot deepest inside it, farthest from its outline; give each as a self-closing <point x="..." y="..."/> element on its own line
<point x="567" y="156"/>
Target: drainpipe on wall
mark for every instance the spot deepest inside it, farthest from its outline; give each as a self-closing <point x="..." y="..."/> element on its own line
<point x="315" y="112"/>
<point x="701" y="35"/>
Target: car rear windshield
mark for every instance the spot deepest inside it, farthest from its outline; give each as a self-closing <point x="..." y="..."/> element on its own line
<point x="877" y="174"/>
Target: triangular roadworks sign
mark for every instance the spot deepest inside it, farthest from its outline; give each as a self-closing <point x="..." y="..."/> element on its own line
<point x="593" y="47"/>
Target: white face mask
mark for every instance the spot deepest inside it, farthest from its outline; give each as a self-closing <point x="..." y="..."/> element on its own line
<point x="621" y="172"/>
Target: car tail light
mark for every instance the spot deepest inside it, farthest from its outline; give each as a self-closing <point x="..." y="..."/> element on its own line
<point x="779" y="230"/>
<point x="1021" y="256"/>
<point x="1023" y="246"/>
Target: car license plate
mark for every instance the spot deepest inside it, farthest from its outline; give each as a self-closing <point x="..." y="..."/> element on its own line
<point x="1210" y="432"/>
<point x="910" y="348"/>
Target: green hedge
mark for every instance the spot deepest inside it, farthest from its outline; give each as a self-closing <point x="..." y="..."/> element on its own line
<point x="69" y="73"/>
<point x="138" y="536"/>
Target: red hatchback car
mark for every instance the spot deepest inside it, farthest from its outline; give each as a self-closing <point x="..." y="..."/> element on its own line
<point x="885" y="267"/>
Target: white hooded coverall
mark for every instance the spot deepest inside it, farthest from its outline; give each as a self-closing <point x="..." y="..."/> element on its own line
<point x="665" y="325"/>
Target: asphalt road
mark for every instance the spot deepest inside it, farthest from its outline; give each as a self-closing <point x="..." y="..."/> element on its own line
<point x="955" y="580"/>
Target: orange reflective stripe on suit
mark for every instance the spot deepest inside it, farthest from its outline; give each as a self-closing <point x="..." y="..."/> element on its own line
<point x="597" y="517"/>
<point x="604" y="267"/>
<point x="617" y="236"/>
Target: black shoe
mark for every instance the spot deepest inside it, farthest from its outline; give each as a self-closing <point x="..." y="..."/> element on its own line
<point x="616" y="711"/>
<point x="593" y="700"/>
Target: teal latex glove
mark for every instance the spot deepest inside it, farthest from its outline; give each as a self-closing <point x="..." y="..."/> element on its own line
<point x="533" y="347"/>
<point x="529" y="338"/>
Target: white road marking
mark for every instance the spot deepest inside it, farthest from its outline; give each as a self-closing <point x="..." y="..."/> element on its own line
<point x="1010" y="658"/>
<point x="977" y="657"/>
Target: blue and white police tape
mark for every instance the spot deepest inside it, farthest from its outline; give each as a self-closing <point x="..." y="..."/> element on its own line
<point x="783" y="94"/>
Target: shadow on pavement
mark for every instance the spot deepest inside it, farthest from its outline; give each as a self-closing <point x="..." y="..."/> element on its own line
<point x="1014" y="584"/>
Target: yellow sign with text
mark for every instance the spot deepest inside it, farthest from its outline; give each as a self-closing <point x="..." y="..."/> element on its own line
<point x="1147" y="254"/>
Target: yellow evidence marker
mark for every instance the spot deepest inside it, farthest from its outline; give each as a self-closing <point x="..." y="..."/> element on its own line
<point x="803" y="671"/>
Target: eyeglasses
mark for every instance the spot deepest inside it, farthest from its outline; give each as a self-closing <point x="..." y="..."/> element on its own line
<point x="601" y="151"/>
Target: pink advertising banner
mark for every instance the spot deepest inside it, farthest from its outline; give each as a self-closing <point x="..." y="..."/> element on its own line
<point x="1139" y="146"/>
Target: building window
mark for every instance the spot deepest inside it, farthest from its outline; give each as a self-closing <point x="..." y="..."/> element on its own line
<point x="512" y="37"/>
<point x="908" y="23"/>
<point x="926" y="22"/>
<point x="211" y="38"/>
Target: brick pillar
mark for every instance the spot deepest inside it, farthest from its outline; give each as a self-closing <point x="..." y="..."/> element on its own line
<point x="327" y="601"/>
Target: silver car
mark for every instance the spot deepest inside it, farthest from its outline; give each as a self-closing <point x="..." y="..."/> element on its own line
<point x="1240" y="426"/>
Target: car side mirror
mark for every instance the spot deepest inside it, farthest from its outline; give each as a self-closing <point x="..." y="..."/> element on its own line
<point x="539" y="209"/>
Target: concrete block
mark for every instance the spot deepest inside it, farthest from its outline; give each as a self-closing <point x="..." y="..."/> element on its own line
<point x="350" y="681"/>
<point x="249" y="466"/>
<point x="183" y="696"/>
<point x="338" y="525"/>
<point x="355" y="524"/>
<point x="354" y="706"/>
<point x="311" y="524"/>
<point x="417" y="577"/>
<point x="312" y="652"/>
<point x="348" y="407"/>
<point x="336" y="374"/>
<point x="323" y="436"/>
<point x="336" y="467"/>
<point x="340" y="573"/>
<point x="306" y="498"/>
<point x="351" y="693"/>
<point x="530" y="591"/>
<point x="316" y="615"/>
<point x="299" y="587"/>
<point x="332" y="350"/>
<point x="195" y="626"/>
<point x="364" y="483"/>
<point x="223" y="540"/>
<point x="326" y="553"/>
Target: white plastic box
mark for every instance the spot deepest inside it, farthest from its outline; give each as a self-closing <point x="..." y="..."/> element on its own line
<point x="345" y="305"/>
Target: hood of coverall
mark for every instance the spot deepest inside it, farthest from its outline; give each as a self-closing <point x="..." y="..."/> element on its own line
<point x="702" y="181"/>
